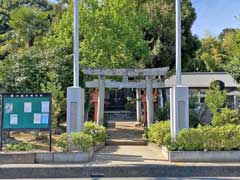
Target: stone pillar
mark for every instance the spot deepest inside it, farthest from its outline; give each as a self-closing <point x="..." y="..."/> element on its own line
<point x="149" y="99"/>
<point x="75" y="109"/>
<point x="101" y="97"/>
<point x="138" y="105"/>
<point x="179" y="109"/>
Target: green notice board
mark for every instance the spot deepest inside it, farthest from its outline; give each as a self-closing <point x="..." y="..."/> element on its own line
<point x="26" y="111"/>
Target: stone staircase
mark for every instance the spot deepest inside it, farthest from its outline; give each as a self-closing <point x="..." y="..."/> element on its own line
<point x="125" y="133"/>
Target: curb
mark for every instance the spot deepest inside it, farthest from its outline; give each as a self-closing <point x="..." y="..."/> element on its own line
<point x="119" y="171"/>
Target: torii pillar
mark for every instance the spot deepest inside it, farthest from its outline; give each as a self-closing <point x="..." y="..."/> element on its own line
<point x="138" y="105"/>
<point x="101" y="98"/>
<point x="149" y="100"/>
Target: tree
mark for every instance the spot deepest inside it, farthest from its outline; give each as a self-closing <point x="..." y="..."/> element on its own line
<point x="161" y="33"/>
<point x="111" y="33"/>
<point x="233" y="66"/>
<point x="9" y="38"/>
<point x="215" y="98"/>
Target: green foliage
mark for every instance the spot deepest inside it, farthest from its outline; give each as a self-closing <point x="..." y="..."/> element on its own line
<point x="80" y="142"/>
<point x="215" y="98"/>
<point x="111" y="33"/>
<point x="62" y="142"/>
<point x="226" y="116"/>
<point x="77" y="142"/>
<point x="161" y="32"/>
<point x="18" y="147"/>
<point x="97" y="132"/>
<point x="35" y="70"/>
<point x="188" y="140"/>
<point x="92" y="134"/>
<point x="162" y="113"/>
<point x="159" y="133"/>
<point x="208" y="138"/>
<point x="193" y="114"/>
<point x="58" y="98"/>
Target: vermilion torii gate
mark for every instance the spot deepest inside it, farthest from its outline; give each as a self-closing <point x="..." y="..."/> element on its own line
<point x="148" y="82"/>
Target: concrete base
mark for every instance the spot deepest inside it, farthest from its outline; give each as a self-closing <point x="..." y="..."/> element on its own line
<point x="179" y="109"/>
<point x="198" y="156"/>
<point x="17" y="158"/>
<point x="202" y="156"/>
<point x="48" y="157"/>
<point x="75" y="109"/>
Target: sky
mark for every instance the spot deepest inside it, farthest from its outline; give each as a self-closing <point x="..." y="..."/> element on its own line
<point x="214" y="15"/>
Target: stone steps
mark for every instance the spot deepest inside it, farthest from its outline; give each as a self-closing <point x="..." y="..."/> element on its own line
<point x="125" y="133"/>
<point x="126" y="142"/>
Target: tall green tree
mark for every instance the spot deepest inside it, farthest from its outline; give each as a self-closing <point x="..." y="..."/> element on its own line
<point x="161" y="32"/>
<point x="111" y="33"/>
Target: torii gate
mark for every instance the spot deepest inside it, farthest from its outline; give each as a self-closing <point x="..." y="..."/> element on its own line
<point x="148" y="83"/>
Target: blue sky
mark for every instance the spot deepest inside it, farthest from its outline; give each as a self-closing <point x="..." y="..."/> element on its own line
<point x="214" y="15"/>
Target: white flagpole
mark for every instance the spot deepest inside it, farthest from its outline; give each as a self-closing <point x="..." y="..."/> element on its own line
<point x="178" y="42"/>
<point x="76" y="46"/>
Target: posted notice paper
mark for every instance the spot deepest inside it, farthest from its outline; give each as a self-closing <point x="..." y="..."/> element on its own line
<point x="27" y="107"/>
<point x="37" y="118"/>
<point x="13" y="119"/>
<point x="8" y="107"/>
<point x="44" y="118"/>
<point x="45" y="106"/>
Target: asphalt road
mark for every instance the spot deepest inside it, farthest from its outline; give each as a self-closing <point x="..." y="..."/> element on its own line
<point x="143" y="178"/>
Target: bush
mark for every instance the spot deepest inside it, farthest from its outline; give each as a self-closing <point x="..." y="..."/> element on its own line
<point x="159" y="133"/>
<point x="208" y="138"/>
<point x="188" y="139"/>
<point x="18" y="147"/>
<point x="77" y="142"/>
<point x="80" y="142"/>
<point x="225" y="116"/>
<point x="97" y="132"/>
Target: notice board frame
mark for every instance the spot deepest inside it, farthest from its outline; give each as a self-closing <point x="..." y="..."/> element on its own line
<point x="25" y="95"/>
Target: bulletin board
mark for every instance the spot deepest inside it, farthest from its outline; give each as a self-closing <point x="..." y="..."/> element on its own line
<point x="26" y="111"/>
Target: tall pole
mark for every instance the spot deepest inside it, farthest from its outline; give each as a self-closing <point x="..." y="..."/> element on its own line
<point x="178" y="42"/>
<point x="76" y="46"/>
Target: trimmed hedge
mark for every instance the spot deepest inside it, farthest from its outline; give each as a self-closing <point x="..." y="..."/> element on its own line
<point x="208" y="138"/>
<point x="202" y="138"/>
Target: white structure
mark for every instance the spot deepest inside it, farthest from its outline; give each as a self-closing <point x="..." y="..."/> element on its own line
<point x="75" y="94"/>
<point x="179" y="109"/>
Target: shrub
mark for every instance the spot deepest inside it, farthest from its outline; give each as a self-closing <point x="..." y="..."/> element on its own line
<point x="97" y="132"/>
<point x="159" y="133"/>
<point x="189" y="139"/>
<point x="18" y="147"/>
<point x="208" y="138"/>
<point x="225" y="116"/>
<point x="77" y="142"/>
<point x="80" y="142"/>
